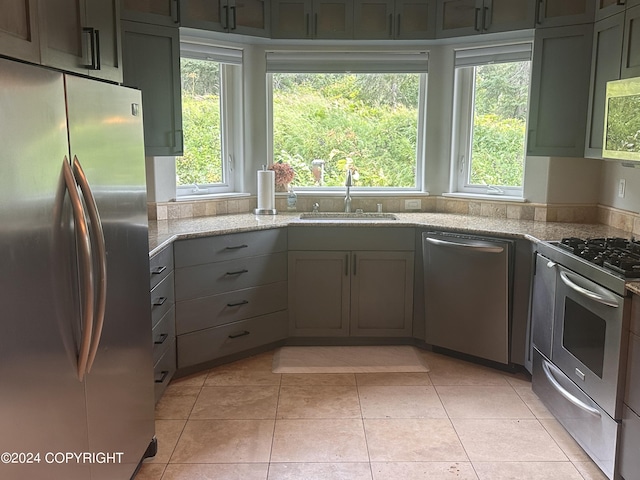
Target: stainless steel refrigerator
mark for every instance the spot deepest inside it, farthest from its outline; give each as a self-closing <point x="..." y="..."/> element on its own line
<point x="76" y="374"/>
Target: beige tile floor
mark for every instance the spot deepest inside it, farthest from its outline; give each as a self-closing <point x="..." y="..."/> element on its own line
<point x="459" y="421"/>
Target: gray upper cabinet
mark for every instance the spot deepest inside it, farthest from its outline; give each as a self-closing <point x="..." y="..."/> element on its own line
<point x="152" y="64"/>
<point x="606" y="8"/>
<point x="470" y="17"/>
<point x="399" y="19"/>
<point x="558" y="13"/>
<point x="605" y="66"/>
<point x="156" y="12"/>
<point x="80" y="36"/>
<point x="560" y="91"/>
<point x="631" y="44"/>
<point x="19" y="36"/>
<point x="248" y="17"/>
<point x="330" y="19"/>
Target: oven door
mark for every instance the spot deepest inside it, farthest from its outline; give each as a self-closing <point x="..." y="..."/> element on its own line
<point x="588" y="338"/>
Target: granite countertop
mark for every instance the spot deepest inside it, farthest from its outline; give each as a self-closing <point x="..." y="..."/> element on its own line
<point x="163" y="232"/>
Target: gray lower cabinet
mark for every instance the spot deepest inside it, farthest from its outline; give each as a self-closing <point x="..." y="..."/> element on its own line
<point x="151" y="56"/>
<point x="629" y="456"/>
<point x="605" y="66"/>
<point x="335" y="291"/>
<point x="161" y="277"/>
<point x="231" y="294"/>
<point x="560" y="91"/>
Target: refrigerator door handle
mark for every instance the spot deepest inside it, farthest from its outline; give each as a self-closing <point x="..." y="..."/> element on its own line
<point x="100" y="260"/>
<point x="85" y="266"/>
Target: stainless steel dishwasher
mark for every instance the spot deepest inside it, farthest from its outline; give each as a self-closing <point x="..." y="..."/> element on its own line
<point x="467" y="295"/>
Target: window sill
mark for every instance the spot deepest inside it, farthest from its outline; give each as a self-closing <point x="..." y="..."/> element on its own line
<point x="340" y="191"/>
<point x="485" y="197"/>
<point x="211" y="196"/>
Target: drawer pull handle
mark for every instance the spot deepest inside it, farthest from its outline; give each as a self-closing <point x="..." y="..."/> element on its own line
<point x="163" y="337"/>
<point x="238" y="272"/>
<point x="237" y="247"/>
<point x="158" y="270"/>
<point x="159" y="301"/>
<point x="246" y="332"/>
<point x="163" y="376"/>
<point x="237" y="304"/>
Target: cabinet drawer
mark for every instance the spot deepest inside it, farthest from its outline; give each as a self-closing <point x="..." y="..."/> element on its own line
<point x="206" y="312"/>
<point x="632" y="389"/>
<point x="352" y="238"/>
<point x="629" y="457"/>
<point x="216" y="342"/>
<point x="162" y="298"/>
<point x="197" y="251"/>
<point x="164" y="333"/>
<point x="160" y="265"/>
<point x="164" y="369"/>
<point x="220" y="277"/>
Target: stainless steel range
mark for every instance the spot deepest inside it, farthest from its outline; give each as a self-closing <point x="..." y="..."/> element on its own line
<point x="580" y="314"/>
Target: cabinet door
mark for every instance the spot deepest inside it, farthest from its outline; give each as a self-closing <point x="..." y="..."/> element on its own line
<point x="19" y="36"/>
<point x="152" y="64"/>
<point x="631" y="44"/>
<point x="508" y="15"/>
<point x="204" y="14"/>
<point x="156" y="12"/>
<point x="291" y="19"/>
<point x="333" y="19"/>
<point x="374" y="19"/>
<point x="319" y="293"/>
<point x="605" y="66"/>
<point x="606" y="8"/>
<point x="554" y="13"/>
<point x="382" y="294"/>
<point x="458" y="17"/>
<point x="415" y="19"/>
<point x="62" y="43"/>
<point x="560" y="91"/>
<point x="249" y="17"/>
<point x="104" y="18"/>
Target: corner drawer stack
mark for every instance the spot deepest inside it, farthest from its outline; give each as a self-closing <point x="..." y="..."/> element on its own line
<point x="231" y="294"/>
<point x="163" y="318"/>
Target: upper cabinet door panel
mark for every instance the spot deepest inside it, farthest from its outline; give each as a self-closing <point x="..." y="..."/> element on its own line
<point x="606" y="8"/>
<point x="250" y="17"/>
<point x="507" y="15"/>
<point x="61" y="35"/>
<point x="203" y="14"/>
<point x="104" y="17"/>
<point x="373" y="19"/>
<point x="157" y="12"/>
<point x="458" y="17"/>
<point x="415" y="19"/>
<point x="333" y="19"/>
<point x="558" y="13"/>
<point x="291" y="19"/>
<point x="19" y="30"/>
<point x="631" y="44"/>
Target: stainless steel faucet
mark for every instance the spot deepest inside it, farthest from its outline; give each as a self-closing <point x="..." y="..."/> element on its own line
<point x="347" y="198"/>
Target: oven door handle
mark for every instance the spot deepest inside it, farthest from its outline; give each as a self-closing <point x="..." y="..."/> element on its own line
<point x="609" y="301"/>
<point x="547" y="367"/>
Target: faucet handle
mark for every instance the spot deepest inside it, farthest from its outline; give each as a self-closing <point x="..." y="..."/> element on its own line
<point x="316" y="206"/>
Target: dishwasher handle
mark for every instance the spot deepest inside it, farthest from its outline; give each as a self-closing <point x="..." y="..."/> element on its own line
<point x="477" y="246"/>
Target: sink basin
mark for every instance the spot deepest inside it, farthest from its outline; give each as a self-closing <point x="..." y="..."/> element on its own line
<point x="347" y="217"/>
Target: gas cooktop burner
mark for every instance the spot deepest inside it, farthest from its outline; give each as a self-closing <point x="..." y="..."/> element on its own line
<point x="619" y="255"/>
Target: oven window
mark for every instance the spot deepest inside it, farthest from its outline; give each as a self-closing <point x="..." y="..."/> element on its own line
<point x="583" y="335"/>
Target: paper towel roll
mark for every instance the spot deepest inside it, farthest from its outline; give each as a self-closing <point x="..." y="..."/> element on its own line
<point x="266" y="192"/>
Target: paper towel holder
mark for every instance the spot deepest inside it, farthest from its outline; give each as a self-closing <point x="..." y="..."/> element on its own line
<point x="265" y="211"/>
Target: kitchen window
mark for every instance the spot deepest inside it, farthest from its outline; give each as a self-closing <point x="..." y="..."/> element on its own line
<point x="211" y="77"/>
<point x="490" y="119"/>
<point x="360" y="111"/>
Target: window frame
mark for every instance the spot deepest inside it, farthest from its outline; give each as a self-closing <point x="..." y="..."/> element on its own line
<point x="358" y="62"/>
<point x="231" y="79"/>
<point x="463" y="117"/>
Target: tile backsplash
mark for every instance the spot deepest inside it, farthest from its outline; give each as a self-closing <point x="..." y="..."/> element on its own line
<point x="566" y="213"/>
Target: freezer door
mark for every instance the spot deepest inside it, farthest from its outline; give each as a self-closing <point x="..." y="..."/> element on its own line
<point x="105" y="135"/>
<point x="42" y="402"/>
